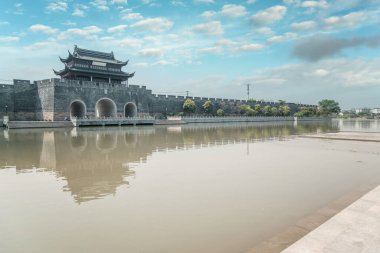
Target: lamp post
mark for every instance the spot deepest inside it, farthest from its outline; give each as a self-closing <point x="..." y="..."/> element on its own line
<point x="6" y="110"/>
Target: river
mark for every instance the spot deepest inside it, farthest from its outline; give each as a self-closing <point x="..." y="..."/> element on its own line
<point x="207" y="188"/>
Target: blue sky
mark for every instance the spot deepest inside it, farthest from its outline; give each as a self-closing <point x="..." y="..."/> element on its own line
<point x="294" y="50"/>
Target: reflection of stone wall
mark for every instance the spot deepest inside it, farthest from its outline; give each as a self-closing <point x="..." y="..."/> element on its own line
<point x="96" y="161"/>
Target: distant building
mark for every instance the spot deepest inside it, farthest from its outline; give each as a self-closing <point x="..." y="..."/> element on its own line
<point x="362" y="110"/>
<point x="375" y="111"/>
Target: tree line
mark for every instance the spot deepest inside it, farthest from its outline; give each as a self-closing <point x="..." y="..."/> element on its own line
<point x="326" y="107"/>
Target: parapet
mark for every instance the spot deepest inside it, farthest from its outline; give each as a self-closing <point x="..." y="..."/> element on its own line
<point x="20" y="82"/>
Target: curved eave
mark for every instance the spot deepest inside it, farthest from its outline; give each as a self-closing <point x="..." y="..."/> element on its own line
<point x="60" y="72"/>
<point x="131" y="74"/>
<point x="123" y="63"/>
<point x="63" y="60"/>
<point x="120" y="74"/>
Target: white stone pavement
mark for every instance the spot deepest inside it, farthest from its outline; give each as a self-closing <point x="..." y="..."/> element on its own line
<point x="353" y="230"/>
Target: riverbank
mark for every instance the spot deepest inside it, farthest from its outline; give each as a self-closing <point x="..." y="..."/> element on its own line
<point x="151" y="121"/>
<point x="347" y="136"/>
<point x="355" y="229"/>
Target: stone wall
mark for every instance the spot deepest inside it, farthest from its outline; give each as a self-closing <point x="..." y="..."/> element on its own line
<point x="51" y="99"/>
<point x="25" y="100"/>
<point x="6" y="101"/>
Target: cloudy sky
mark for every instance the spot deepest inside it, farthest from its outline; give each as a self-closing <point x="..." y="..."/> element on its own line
<point x="294" y="50"/>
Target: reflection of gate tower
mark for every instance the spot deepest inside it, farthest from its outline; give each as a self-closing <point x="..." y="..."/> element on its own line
<point x="88" y="65"/>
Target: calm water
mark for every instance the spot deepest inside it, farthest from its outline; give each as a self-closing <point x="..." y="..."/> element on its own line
<point x="195" y="188"/>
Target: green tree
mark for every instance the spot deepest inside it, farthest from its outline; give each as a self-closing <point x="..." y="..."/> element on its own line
<point x="281" y="102"/>
<point x="274" y="111"/>
<point x="306" y="112"/>
<point x="189" y="106"/>
<point x="208" y="107"/>
<point x="258" y="109"/>
<point x="284" y="110"/>
<point x="267" y="110"/>
<point x="247" y="110"/>
<point x="328" y="107"/>
<point x="220" y="112"/>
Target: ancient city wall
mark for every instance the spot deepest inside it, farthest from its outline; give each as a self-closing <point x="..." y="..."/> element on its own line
<point x="6" y="100"/>
<point x="51" y="100"/>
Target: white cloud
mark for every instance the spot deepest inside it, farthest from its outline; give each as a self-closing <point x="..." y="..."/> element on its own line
<point x="203" y="1"/>
<point x="251" y="1"/>
<point x="163" y="62"/>
<point x="159" y="24"/>
<point x="315" y="4"/>
<point x="281" y="38"/>
<point x="130" y="42"/>
<point x="57" y="6"/>
<point x="211" y="50"/>
<point x="140" y="64"/>
<point x="270" y="15"/>
<point x="327" y="73"/>
<point x="350" y="20"/>
<point x="208" y="14"/>
<point x="39" y="28"/>
<point x="119" y="1"/>
<point x="233" y="10"/>
<point x="251" y="47"/>
<point x="290" y="2"/>
<point x="321" y="72"/>
<point x="79" y="10"/>
<point x="100" y="5"/>
<point x="131" y="16"/>
<point x="4" y="23"/>
<point x="9" y="39"/>
<point x="151" y="52"/>
<point x="264" y="30"/>
<point x="305" y="25"/>
<point x="213" y="28"/>
<point x="117" y="29"/>
<point x="86" y="32"/>
<point x="69" y="23"/>
<point x="177" y="3"/>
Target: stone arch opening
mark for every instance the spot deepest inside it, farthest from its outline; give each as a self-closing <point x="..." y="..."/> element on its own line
<point x="130" y="110"/>
<point x="77" y="109"/>
<point x="105" y="108"/>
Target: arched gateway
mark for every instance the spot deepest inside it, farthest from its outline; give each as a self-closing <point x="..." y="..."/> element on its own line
<point x="77" y="109"/>
<point x="130" y="110"/>
<point x="105" y="108"/>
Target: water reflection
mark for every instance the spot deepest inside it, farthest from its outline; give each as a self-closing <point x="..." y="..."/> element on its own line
<point x="363" y="125"/>
<point x="96" y="161"/>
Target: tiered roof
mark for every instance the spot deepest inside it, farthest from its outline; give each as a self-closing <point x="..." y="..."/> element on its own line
<point x="93" y="58"/>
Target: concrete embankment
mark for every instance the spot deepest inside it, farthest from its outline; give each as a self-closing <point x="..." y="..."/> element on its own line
<point x="39" y="124"/>
<point x="152" y="121"/>
<point x="355" y="229"/>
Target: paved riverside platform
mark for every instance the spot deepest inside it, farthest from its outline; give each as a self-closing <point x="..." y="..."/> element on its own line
<point x="356" y="229"/>
<point x="348" y="136"/>
<point x="77" y="122"/>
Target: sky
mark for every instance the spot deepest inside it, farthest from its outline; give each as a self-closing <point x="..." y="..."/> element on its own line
<point x="293" y="50"/>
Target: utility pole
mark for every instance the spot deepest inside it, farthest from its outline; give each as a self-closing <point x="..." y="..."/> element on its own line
<point x="248" y="85"/>
<point x="187" y="93"/>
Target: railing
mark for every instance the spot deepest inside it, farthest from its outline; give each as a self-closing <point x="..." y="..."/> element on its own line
<point x="112" y="118"/>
